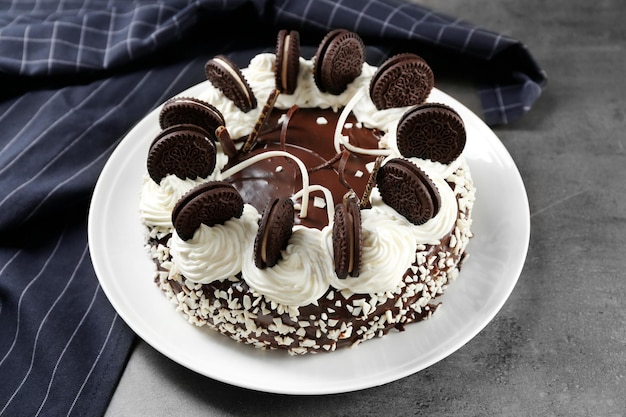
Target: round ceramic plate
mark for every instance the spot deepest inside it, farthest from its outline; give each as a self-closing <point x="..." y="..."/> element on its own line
<point x="497" y="254"/>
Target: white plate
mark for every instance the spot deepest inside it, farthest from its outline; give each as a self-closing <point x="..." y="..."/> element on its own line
<point x="497" y="254"/>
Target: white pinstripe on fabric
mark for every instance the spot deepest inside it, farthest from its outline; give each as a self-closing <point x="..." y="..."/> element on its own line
<point x="107" y="50"/>
<point x="331" y="16"/>
<point x="390" y="16"/>
<point x="6" y="265"/>
<point x="18" y="135"/>
<point x="25" y="50"/>
<point x="468" y="39"/>
<point x="95" y="362"/>
<point x="71" y="338"/>
<point x="498" y="94"/>
<point x="24" y="151"/>
<point x="21" y="297"/>
<point x="39" y="329"/>
<point x="61" y="184"/>
<point x="94" y="161"/>
<point x="81" y="42"/>
<point x="6" y="114"/>
<point x="494" y="48"/>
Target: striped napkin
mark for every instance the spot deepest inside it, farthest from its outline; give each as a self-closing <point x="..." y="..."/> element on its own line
<point x="75" y="76"/>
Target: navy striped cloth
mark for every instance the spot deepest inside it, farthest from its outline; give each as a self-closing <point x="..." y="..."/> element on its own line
<point x="75" y="75"/>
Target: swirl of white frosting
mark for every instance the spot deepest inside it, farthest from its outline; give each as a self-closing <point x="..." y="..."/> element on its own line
<point x="208" y="256"/>
<point x="300" y="277"/>
<point x="238" y="123"/>
<point x="437" y="168"/>
<point x="434" y="229"/>
<point x="158" y="200"/>
<point x="306" y="93"/>
<point x="388" y="250"/>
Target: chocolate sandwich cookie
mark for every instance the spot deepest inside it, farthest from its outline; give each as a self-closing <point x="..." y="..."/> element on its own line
<point x="287" y="61"/>
<point x="210" y="203"/>
<point x="402" y="80"/>
<point x="408" y="190"/>
<point x="226" y="76"/>
<point x="275" y="229"/>
<point x="191" y="110"/>
<point x="431" y="131"/>
<point x="190" y="128"/>
<point x="182" y="150"/>
<point x="347" y="238"/>
<point x="338" y="61"/>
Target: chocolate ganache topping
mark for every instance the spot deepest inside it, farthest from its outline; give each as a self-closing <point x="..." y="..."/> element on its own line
<point x="309" y="137"/>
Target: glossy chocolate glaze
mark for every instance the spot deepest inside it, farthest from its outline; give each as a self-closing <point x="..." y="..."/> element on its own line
<point x="312" y="143"/>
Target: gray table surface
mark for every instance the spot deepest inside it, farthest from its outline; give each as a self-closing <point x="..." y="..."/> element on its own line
<point x="558" y="346"/>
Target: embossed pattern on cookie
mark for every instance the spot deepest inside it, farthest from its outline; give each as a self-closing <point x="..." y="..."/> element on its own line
<point x="402" y="80"/>
<point x="338" y="61"/>
<point x="226" y="76"/>
<point x="181" y="150"/>
<point x="431" y="131"/>
<point x="191" y="110"/>
<point x="211" y="203"/>
<point x="408" y="190"/>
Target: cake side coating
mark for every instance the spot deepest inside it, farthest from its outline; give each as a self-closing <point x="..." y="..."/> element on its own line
<point x="339" y="318"/>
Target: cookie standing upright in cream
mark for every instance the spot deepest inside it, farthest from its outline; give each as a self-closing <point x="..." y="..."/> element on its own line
<point x="352" y="255"/>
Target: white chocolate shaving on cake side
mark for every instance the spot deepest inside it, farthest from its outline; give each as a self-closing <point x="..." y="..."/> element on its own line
<point x="270" y="154"/>
<point x="397" y="257"/>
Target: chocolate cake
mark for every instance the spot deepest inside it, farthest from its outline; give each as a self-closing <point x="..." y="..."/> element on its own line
<point x="308" y="204"/>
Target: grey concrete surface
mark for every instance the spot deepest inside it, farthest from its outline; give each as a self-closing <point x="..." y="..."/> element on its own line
<point x="558" y="346"/>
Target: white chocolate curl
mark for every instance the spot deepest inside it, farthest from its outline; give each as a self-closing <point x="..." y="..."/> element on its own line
<point x="271" y="154"/>
<point x="158" y="200"/>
